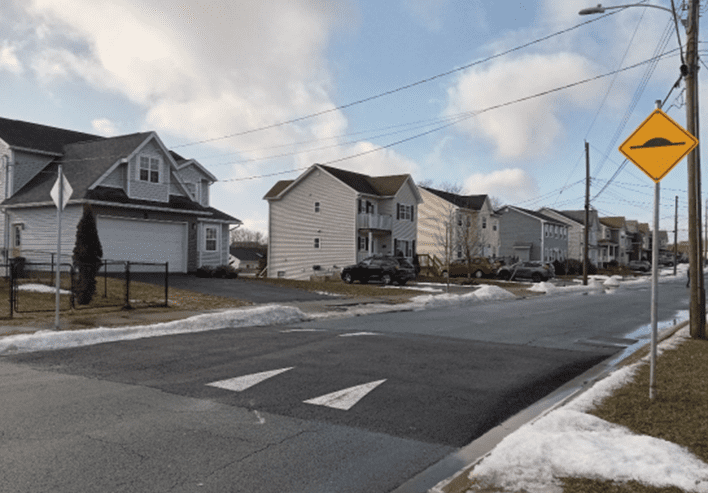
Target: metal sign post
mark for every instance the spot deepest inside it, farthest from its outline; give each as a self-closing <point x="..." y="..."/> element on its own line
<point x="656" y="146"/>
<point x="61" y="191"/>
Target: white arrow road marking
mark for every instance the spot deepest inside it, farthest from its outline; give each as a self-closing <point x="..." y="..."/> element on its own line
<point x="345" y="399"/>
<point x="240" y="384"/>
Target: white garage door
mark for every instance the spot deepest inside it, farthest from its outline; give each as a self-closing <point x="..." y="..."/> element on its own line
<point x="144" y="241"/>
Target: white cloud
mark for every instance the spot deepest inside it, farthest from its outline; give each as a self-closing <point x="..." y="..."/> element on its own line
<point x="427" y="13"/>
<point x="527" y="129"/>
<point x="104" y="126"/>
<point x="511" y="185"/>
<point x="8" y="58"/>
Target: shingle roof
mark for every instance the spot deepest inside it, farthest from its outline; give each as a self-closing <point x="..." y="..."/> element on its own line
<point x="615" y="222"/>
<point x="83" y="163"/>
<point x="243" y="253"/>
<point x="277" y="188"/>
<point x="538" y="215"/>
<point x="472" y="202"/>
<point x="40" y="137"/>
<point x="384" y="186"/>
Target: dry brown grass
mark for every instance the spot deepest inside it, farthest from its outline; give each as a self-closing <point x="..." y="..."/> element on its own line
<point x="37" y="309"/>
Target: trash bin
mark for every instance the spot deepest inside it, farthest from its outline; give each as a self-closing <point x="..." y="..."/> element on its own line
<point x="17" y="264"/>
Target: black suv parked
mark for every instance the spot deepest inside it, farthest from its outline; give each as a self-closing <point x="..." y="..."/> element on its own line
<point x="380" y="268"/>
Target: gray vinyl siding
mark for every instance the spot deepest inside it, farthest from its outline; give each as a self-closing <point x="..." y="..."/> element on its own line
<point x="196" y="181"/>
<point x="138" y="189"/>
<point x="403" y="229"/>
<point x="25" y="167"/>
<point x="204" y="194"/>
<point x="39" y="236"/>
<point x="515" y="227"/>
<point x="117" y="177"/>
<point x="220" y="256"/>
<point x="294" y="225"/>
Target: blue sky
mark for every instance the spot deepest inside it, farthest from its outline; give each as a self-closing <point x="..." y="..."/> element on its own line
<point x="196" y="71"/>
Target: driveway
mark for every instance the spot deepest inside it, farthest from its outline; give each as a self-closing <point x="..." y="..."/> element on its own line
<point x="240" y="289"/>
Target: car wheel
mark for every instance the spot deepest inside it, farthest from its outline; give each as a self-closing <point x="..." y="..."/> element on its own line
<point x="386" y="279"/>
<point x="478" y="274"/>
<point x="536" y="277"/>
<point x="444" y="273"/>
<point x="504" y="275"/>
<point x="402" y="282"/>
<point x="347" y="278"/>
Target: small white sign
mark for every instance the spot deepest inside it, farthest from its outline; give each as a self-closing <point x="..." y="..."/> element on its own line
<point x="66" y="192"/>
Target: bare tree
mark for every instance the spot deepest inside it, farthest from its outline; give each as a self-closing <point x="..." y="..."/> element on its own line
<point x="245" y="235"/>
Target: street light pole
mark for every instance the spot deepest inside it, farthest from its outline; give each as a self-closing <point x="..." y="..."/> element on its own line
<point x="689" y="70"/>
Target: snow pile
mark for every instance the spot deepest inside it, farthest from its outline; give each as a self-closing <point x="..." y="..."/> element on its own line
<point x="612" y="282"/>
<point x="487" y="292"/>
<point x="41" y="288"/>
<point x="566" y="442"/>
<point x="244" y="317"/>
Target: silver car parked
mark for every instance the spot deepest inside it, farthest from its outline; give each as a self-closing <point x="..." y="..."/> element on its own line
<point x="535" y="270"/>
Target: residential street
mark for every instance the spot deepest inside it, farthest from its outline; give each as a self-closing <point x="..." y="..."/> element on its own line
<point x="196" y="412"/>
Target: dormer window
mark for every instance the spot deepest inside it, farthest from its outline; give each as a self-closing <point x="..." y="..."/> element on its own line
<point x="150" y="169"/>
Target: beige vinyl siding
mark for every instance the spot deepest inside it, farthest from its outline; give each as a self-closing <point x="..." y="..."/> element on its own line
<point x="39" y="236"/>
<point x="433" y="214"/>
<point x="143" y="190"/>
<point x="294" y="226"/>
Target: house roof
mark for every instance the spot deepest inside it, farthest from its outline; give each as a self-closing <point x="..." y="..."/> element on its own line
<point x="472" y="202"/>
<point x="616" y="222"/>
<point x="83" y="164"/>
<point x="277" y="188"/>
<point x="40" y="137"/>
<point x="244" y="253"/>
<point x="383" y="186"/>
<point x="535" y="214"/>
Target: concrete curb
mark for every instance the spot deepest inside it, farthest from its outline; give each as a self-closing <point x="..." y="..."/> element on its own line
<point x="468" y="456"/>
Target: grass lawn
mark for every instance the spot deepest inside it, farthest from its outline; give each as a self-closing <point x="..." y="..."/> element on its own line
<point x="678" y="413"/>
<point x="35" y="308"/>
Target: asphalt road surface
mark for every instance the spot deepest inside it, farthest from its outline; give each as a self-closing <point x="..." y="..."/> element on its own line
<point x="350" y="405"/>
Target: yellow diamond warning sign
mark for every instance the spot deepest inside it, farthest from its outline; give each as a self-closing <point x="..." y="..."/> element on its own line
<point x="657" y="145"/>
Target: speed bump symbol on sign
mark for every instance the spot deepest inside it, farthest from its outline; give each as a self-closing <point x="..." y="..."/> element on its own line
<point x="657" y="145"/>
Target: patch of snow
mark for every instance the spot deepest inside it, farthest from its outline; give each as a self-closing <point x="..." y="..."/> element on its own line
<point x="567" y="442"/>
<point x="41" y="288"/>
<point x="487" y="292"/>
<point x="243" y="317"/>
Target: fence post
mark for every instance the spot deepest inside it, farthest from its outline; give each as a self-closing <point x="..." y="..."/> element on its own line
<point x="105" y="278"/>
<point x="72" y="276"/>
<point x="127" y="286"/>
<point x="52" y="276"/>
<point x="12" y="290"/>
<point x="167" y="275"/>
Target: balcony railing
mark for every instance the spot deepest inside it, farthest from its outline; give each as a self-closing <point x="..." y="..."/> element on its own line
<point x="375" y="221"/>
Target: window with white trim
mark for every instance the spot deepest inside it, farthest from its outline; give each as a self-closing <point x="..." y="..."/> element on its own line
<point x="317" y="207"/>
<point x="211" y="236"/>
<point x="150" y="169"/>
<point x="317" y="243"/>
<point x="17" y="235"/>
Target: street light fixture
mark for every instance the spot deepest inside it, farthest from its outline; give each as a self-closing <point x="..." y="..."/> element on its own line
<point x="601" y="10"/>
<point x="689" y="70"/>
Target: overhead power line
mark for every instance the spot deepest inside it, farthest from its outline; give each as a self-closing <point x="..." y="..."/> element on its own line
<point x="401" y="88"/>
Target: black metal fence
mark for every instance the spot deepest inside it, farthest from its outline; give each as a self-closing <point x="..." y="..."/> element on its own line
<point x="31" y="286"/>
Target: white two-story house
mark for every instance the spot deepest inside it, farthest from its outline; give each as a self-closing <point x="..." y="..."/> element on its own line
<point x="328" y="218"/>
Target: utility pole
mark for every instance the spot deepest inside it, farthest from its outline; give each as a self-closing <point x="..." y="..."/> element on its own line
<point x="675" y="235"/>
<point x="587" y="214"/>
<point x="697" y="305"/>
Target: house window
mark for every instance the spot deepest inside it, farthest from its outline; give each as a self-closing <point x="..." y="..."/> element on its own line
<point x="317" y="242"/>
<point x="484" y="223"/>
<point x="317" y="207"/>
<point x="211" y="239"/>
<point x="149" y="169"/>
<point x="363" y="243"/>
<point x="17" y="236"/>
<point x="404" y="212"/>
